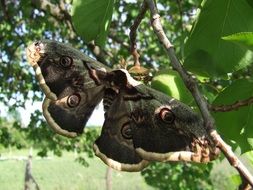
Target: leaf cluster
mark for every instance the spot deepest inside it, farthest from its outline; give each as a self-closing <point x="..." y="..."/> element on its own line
<point x="178" y="176"/>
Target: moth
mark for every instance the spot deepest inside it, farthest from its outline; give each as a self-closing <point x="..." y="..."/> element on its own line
<point x="141" y="124"/>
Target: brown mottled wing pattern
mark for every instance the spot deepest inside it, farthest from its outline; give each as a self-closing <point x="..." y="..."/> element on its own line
<point x="68" y="80"/>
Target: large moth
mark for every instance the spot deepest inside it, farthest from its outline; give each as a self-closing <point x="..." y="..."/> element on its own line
<point x="141" y="124"/>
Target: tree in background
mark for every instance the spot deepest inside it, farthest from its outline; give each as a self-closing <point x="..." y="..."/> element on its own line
<point x="215" y="45"/>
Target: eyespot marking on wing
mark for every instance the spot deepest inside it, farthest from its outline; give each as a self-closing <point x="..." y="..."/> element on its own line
<point x="52" y="123"/>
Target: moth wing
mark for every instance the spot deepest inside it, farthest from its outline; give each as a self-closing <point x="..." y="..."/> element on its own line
<point x="71" y="88"/>
<point x="70" y="121"/>
<point x="61" y="69"/>
<point x="115" y="145"/>
<point x="165" y="129"/>
<point x="154" y="142"/>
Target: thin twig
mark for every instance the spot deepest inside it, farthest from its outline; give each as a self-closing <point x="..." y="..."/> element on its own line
<point x="115" y="38"/>
<point x="133" y="29"/>
<point x="191" y="84"/>
<point x="179" y="4"/>
<point x="231" y="107"/>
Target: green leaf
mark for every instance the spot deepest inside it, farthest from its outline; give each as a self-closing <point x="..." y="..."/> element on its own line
<point x="250" y="3"/>
<point x="243" y="38"/>
<point x="236" y="179"/>
<point x="170" y="83"/>
<point x="249" y="156"/>
<point x="92" y="18"/>
<point x="205" y="52"/>
<point x="236" y="125"/>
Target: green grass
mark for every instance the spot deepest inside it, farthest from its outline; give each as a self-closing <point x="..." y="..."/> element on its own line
<point x="64" y="173"/>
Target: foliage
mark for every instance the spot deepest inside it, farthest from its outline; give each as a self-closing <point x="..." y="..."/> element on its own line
<point x="176" y="87"/>
<point x="242" y="38"/>
<point x="95" y="28"/>
<point x="238" y="121"/>
<point x="206" y="53"/>
<point x="43" y="139"/>
<point x="11" y="136"/>
<point x="178" y="176"/>
<point x="217" y="50"/>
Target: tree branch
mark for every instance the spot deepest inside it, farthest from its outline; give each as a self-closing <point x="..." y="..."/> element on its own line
<point x="179" y="4"/>
<point x="5" y="12"/>
<point x="231" y="107"/>
<point x="189" y="81"/>
<point x="132" y="35"/>
<point x="137" y="69"/>
<point x="192" y="85"/>
<point x="115" y="38"/>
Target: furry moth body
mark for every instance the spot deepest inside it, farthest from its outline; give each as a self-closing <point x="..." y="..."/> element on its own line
<point x="141" y="124"/>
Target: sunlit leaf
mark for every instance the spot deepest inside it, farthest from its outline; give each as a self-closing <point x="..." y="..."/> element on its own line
<point x="205" y="52"/>
<point x="170" y="83"/>
<point x="236" y="179"/>
<point x="243" y="38"/>
<point x="92" y="19"/>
